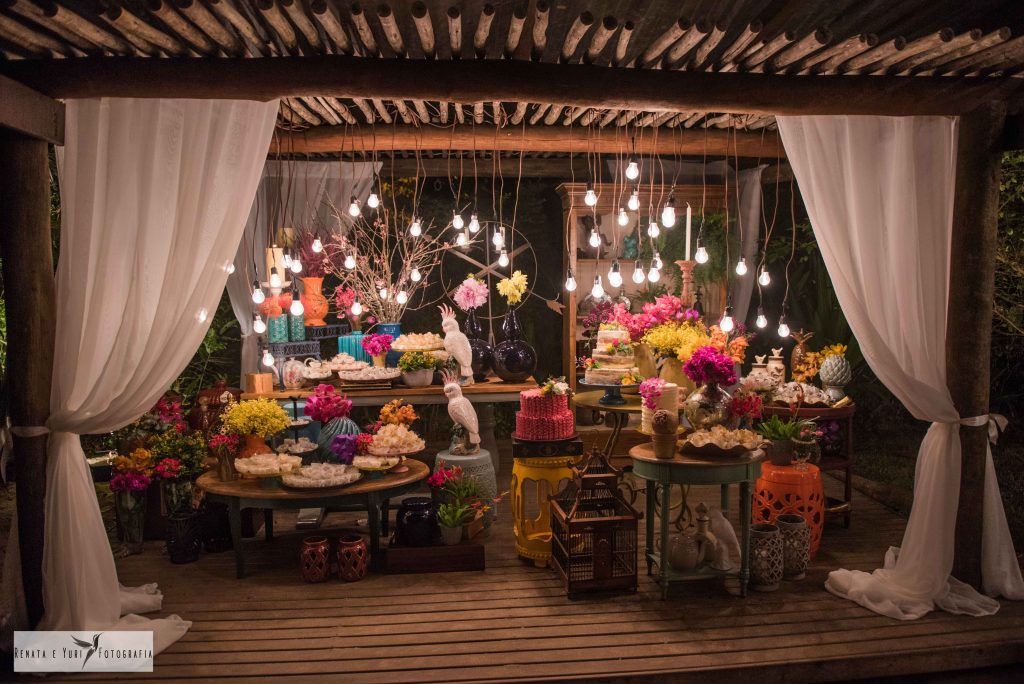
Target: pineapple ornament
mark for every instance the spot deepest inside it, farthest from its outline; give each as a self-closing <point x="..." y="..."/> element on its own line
<point x="835" y="374"/>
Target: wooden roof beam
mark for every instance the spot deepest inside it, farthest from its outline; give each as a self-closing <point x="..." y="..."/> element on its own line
<point x="30" y="113"/>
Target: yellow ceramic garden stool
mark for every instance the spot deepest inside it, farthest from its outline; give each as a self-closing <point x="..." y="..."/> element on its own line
<point x="540" y="470"/>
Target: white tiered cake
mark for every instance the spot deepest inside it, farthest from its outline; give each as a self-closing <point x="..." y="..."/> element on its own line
<point x="612" y="358"/>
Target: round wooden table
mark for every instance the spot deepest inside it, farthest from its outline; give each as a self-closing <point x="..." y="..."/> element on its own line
<point x="616" y="417"/>
<point x="686" y="469"/>
<point x="369" y="494"/>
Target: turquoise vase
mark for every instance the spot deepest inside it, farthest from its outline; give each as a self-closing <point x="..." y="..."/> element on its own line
<point x="277" y="329"/>
<point x="353" y="346"/>
<point x="338" y="426"/>
<point x="297" y="328"/>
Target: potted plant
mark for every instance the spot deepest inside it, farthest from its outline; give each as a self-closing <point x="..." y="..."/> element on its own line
<point x="451" y="517"/>
<point x="180" y="458"/>
<point x="417" y="368"/>
<point x="377" y="347"/>
<point x="224" y="448"/>
<point x="254" y="420"/>
<point x="781" y="433"/>
<point x="129" y="486"/>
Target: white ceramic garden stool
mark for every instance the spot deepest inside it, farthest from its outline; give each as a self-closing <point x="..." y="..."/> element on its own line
<point x="478" y="465"/>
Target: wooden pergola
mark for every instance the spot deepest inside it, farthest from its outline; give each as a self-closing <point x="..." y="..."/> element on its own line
<point x="673" y="78"/>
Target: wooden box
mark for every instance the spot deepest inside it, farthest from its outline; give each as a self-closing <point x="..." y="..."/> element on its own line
<point x="259" y="383"/>
<point x="464" y="557"/>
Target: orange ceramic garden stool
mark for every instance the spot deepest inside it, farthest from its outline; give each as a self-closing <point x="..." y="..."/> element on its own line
<point x="784" y="489"/>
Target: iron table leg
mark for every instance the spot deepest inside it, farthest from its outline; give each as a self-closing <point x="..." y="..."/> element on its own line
<point x="618" y="420"/>
<point x="268" y="524"/>
<point x="385" y="512"/>
<point x="373" y="521"/>
<point x="666" y="498"/>
<point x="725" y="500"/>
<point x="649" y="522"/>
<point x="235" y="520"/>
<point x="745" y="494"/>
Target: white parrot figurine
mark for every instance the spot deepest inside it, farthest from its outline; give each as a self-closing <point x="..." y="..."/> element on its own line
<point x="461" y="411"/>
<point x="457" y="344"/>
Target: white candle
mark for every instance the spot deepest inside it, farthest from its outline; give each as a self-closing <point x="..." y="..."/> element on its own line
<point x="689" y="223"/>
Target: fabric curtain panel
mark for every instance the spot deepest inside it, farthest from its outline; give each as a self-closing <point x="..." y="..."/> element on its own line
<point x="290" y="194"/>
<point x="154" y="197"/>
<point x="749" y="221"/>
<point x="879" y="193"/>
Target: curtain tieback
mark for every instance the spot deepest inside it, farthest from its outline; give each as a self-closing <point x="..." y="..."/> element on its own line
<point x="7" y="443"/>
<point x="996" y="424"/>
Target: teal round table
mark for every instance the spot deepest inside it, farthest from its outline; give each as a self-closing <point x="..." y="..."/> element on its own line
<point x="685" y="469"/>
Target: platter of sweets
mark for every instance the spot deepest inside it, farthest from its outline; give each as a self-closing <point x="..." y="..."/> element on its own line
<point x="790" y="393"/>
<point x="395" y="440"/>
<point x="418" y="342"/>
<point x="370" y="463"/>
<point x="369" y="374"/>
<point x="268" y="465"/>
<point x="721" y="442"/>
<point x="321" y="476"/>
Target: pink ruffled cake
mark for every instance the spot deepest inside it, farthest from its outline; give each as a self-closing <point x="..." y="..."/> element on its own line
<point x="544" y="416"/>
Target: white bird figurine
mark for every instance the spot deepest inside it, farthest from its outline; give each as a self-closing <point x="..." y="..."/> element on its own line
<point x="457" y="344"/>
<point x="461" y="411"/>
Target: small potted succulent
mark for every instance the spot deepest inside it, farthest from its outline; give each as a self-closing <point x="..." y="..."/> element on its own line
<point x="782" y="433"/>
<point x="417" y="368"/>
<point x="451" y="517"/>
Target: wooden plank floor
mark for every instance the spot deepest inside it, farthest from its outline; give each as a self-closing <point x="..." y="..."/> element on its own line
<point x="513" y="622"/>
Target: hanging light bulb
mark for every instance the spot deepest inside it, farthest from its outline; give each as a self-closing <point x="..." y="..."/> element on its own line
<point x="762" y="321"/>
<point x="764" y="279"/>
<point x="783" y="327"/>
<point x="402" y="297"/>
<point x="462" y="239"/>
<point x="634" y="200"/>
<point x="668" y="214"/>
<point x="638" y="272"/>
<point x="415" y="228"/>
<point x="623" y="217"/>
<point x="590" y="197"/>
<point x="415" y="276"/>
<point x="652" y="227"/>
<point x="296" y="265"/>
<point x="595" y="238"/>
<point x="353" y="207"/>
<point x="357" y="307"/>
<point x="741" y="267"/>
<point x="258" y="326"/>
<point x="503" y="259"/>
<point x="457" y="222"/>
<point x="268" y="358"/>
<point x="257" y="293"/>
<point x="727" y="324"/>
<point x="317" y="245"/>
<point x="701" y="255"/>
<point x="653" y="275"/>
<point x="229" y="267"/>
<point x="275" y="279"/>
<point x="597" y="292"/>
<point x="632" y="169"/>
<point x="656" y="261"/>
<point x="615" y="275"/>
<point x="498" y="240"/>
<point x="350" y="262"/>
<point x="383" y="292"/>
<point x="287" y="259"/>
<point x="570" y="282"/>
<point x="296" y="309"/>
<point x="474" y="224"/>
<point x="373" y="201"/>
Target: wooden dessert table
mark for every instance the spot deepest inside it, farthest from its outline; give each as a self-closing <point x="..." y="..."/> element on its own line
<point x="685" y="469"/>
<point x="369" y="494"/>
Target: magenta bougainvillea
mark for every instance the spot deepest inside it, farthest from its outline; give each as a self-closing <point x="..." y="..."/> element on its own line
<point x="325" y="404"/>
<point x="709" y="367"/>
<point x="377" y="344"/>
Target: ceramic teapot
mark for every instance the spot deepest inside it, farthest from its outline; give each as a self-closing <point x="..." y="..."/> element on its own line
<point x="293" y="374"/>
<point x="316" y="369"/>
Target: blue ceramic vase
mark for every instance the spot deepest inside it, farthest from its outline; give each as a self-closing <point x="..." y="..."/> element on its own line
<point x="514" y="359"/>
<point x="483" y="354"/>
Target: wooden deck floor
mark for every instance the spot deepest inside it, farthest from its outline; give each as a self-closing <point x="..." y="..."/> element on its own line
<point x="513" y="622"/>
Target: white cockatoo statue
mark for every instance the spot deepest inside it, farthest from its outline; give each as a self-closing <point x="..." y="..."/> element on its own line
<point x="462" y="413"/>
<point x="457" y="344"/>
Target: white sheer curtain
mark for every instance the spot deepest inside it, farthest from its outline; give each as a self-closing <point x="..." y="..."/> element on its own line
<point x="154" y="195"/>
<point x="879" y="192"/>
<point x="749" y="218"/>
<point x="290" y="193"/>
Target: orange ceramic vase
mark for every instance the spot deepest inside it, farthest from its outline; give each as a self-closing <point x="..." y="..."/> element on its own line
<point x="314" y="301"/>
<point x="254" y="444"/>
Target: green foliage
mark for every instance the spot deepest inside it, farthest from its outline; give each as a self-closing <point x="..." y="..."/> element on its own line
<point x="776" y="429"/>
<point x="217" y="357"/>
<point x="187" y="447"/>
<point x="1008" y="319"/>
<point x="414" y="361"/>
<point x="454" y="514"/>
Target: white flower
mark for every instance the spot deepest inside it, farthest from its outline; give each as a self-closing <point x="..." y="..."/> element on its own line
<point x="561" y="387"/>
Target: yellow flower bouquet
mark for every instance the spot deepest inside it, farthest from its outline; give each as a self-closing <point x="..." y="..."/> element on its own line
<point x="513" y="288"/>
<point x="262" y="417"/>
<point x="676" y="339"/>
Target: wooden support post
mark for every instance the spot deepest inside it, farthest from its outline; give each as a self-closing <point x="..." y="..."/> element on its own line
<point x="971" y="291"/>
<point x="29" y="294"/>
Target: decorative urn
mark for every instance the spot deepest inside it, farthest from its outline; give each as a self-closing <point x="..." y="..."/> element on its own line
<point x="835" y="374"/>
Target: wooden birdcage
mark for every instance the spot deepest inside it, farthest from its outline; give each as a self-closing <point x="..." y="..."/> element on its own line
<point x="593" y="530"/>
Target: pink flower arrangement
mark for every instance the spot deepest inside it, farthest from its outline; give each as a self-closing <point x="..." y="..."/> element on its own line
<point x="343" y="299"/>
<point x="443" y="475"/>
<point x="709" y="367"/>
<point x="377" y="344"/>
<point x="665" y="309"/>
<point x="746" y="406"/>
<point x="650" y="390"/>
<point x="168" y="469"/>
<point x="471" y="294"/>
<point x="129" y="482"/>
<point x="325" y="404"/>
<point x="221" y="443"/>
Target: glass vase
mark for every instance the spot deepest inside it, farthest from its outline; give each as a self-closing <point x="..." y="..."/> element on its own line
<point x="177" y="496"/>
<point x="131" y="516"/>
<point x="706" y="407"/>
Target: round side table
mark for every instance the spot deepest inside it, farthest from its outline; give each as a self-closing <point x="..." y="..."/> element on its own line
<point x="785" y="489"/>
<point x="534" y="480"/>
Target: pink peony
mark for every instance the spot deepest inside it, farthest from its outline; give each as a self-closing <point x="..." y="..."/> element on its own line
<point x="377" y="344"/>
<point x="471" y="294"/>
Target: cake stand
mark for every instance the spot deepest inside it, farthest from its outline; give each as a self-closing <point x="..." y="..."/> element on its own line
<point x="612" y="392"/>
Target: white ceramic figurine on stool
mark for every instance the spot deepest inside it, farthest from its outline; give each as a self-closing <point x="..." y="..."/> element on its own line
<point x="457" y="344"/>
<point x="461" y="411"/>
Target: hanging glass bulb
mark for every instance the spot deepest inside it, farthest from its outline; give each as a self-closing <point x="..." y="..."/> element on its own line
<point x="638" y="272"/>
<point x="701" y="255"/>
<point x="317" y="245"/>
<point x="668" y="214"/>
<point x="275" y="279"/>
<point x="402" y="297"/>
<point x="462" y="239"/>
<point x="623" y="217"/>
<point x="296" y="309"/>
<point x="764" y="279"/>
<point x="595" y="238"/>
<point x="474" y="224"/>
<point x="415" y="228"/>
<point x="383" y="292"/>
<point x="373" y="201"/>
<point x="615" y="275"/>
<point x="634" y="200"/>
<point x="656" y="261"/>
<point x="762" y="321"/>
<point x="229" y="267"/>
<point x="570" y="282"/>
<point x="597" y="292"/>
<point x="652" y="227"/>
<point x="268" y="358"/>
<point x="632" y="170"/>
<point x="498" y="240"/>
<point x="727" y="324"/>
<point x="257" y="293"/>
<point x="353" y="207"/>
<point x="415" y="276"/>
<point x="350" y="262"/>
<point x="590" y="197"/>
<point x="503" y="259"/>
<point x="457" y="222"/>
<point x="287" y="259"/>
<point x="783" y="328"/>
<point x="296" y="265"/>
<point x="258" y="326"/>
<point x="741" y="267"/>
<point x="357" y="307"/>
<point x="654" y="274"/>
